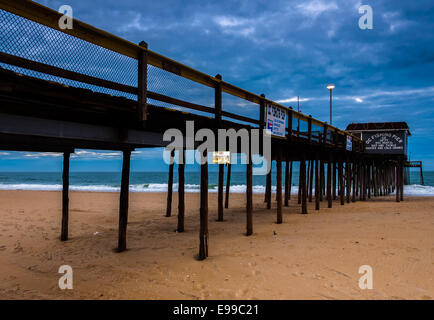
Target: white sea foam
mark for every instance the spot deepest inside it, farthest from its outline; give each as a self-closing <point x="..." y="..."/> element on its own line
<point x="411" y="190"/>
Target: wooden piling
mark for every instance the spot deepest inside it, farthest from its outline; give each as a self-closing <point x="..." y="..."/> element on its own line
<point x="286" y="196"/>
<point x="398" y="183"/>
<point x="310" y="178"/>
<point x="170" y="186"/>
<point x="290" y="181"/>
<point x="249" y="197"/>
<point x="220" y="193"/>
<point x="279" y="187"/>
<point x="303" y="185"/>
<point x="341" y="182"/>
<point x="348" y="172"/>
<point x="123" y="203"/>
<point x="317" y="184"/>
<point x="354" y="169"/>
<point x="334" y="180"/>
<point x="65" y="197"/>
<point x="268" y="188"/>
<point x="181" y="191"/>
<point x="401" y="177"/>
<point x="228" y="185"/>
<point x="203" y="233"/>
<point x="321" y="180"/>
<point x="329" y="182"/>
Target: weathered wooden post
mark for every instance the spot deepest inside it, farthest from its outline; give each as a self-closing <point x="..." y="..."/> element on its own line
<point x="317" y="183"/>
<point x="401" y="177"/>
<point x="341" y="181"/>
<point x="279" y="186"/>
<point x="228" y="185"/>
<point x="203" y="233"/>
<point x="322" y="180"/>
<point x="249" y="196"/>
<point x="329" y="181"/>
<point x="123" y="203"/>
<point x="290" y="181"/>
<point x="310" y="178"/>
<point x="268" y="187"/>
<point x="181" y="191"/>
<point x="65" y="197"/>
<point x="334" y="180"/>
<point x="354" y="169"/>
<point x="299" y="183"/>
<point x="348" y="172"/>
<point x="220" y="193"/>
<point x="286" y="203"/>
<point x="218" y="124"/>
<point x="170" y="185"/>
<point x="303" y="184"/>
<point x="398" y="183"/>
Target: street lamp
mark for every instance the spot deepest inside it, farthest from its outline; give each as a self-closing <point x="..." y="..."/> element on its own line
<point x="331" y="86"/>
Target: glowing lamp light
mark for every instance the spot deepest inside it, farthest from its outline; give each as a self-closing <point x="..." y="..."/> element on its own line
<point x="331" y="86"/>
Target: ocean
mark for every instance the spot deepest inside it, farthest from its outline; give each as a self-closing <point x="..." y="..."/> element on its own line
<point x="157" y="182"/>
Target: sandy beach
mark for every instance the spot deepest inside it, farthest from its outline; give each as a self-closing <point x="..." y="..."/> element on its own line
<point x="314" y="256"/>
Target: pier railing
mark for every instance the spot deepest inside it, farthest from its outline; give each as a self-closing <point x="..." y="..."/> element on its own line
<point x="32" y="43"/>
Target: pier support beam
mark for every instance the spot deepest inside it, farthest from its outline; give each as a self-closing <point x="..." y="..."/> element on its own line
<point x="228" y="186"/>
<point x="401" y="178"/>
<point x="341" y="182"/>
<point x="329" y="182"/>
<point x="203" y="233"/>
<point x="170" y="186"/>
<point x="279" y="187"/>
<point x="290" y="181"/>
<point x="65" y="197"/>
<point x="268" y="188"/>
<point x="303" y="185"/>
<point x="317" y="184"/>
<point x="181" y="192"/>
<point x="249" y="197"/>
<point x="287" y="182"/>
<point x="123" y="203"/>
<point x="334" y="180"/>
<point x="220" y="193"/>
<point x="348" y="172"/>
<point x="354" y="169"/>
<point x="310" y="178"/>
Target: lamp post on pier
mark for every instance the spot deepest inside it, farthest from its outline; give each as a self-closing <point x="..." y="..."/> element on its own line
<point x="331" y="86"/>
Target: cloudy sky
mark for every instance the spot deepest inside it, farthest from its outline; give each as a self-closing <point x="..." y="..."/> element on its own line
<point x="283" y="49"/>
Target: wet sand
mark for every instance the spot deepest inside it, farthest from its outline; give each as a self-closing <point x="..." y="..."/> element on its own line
<point x="314" y="256"/>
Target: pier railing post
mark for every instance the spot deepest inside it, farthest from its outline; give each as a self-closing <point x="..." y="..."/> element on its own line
<point x="123" y="203"/>
<point x="142" y="109"/>
<point x="65" y="197"/>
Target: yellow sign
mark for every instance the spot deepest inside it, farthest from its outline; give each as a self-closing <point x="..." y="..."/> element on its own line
<point x="221" y="157"/>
